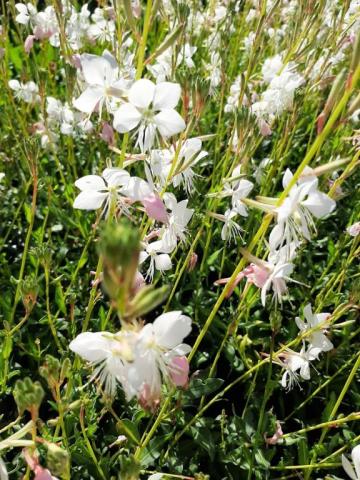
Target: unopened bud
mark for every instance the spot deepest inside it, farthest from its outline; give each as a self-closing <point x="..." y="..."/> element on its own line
<point x="57" y="460"/>
<point x="50" y="370"/>
<point x="28" y="291"/>
<point x="192" y="262"/>
<point x="119" y="246"/>
<point x="28" y="396"/>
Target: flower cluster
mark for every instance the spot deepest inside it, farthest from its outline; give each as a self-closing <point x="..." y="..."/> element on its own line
<point x="141" y="359"/>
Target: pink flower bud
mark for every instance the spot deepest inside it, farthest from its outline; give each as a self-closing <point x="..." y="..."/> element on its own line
<point x="179" y="371"/>
<point x="42" y="474"/>
<point x="139" y="282"/>
<point x="147" y="399"/>
<point x="155" y="208"/>
<point x="192" y="262"/>
<point x="29" y="42"/>
<point x="265" y="129"/>
<point x="107" y="134"/>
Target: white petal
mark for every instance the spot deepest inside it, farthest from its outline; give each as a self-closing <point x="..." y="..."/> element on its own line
<point x="3" y="471"/>
<point x="14" y="84"/>
<point x="137" y="189"/>
<point x="305" y="371"/>
<point x="319" y="204"/>
<point x="348" y="467"/>
<point x="308" y="314"/>
<point x="116" y="176"/>
<point x="141" y="94"/>
<point x="287" y="178"/>
<point x="126" y="118"/>
<point x="169" y="122"/>
<point x="355" y="455"/>
<point x="89" y="200"/>
<point x="166" y="95"/>
<point x="94" y="68"/>
<point x="243" y="189"/>
<point x="92" y="347"/>
<point x="89" y="99"/>
<point x="171" y="328"/>
<point x="90" y="182"/>
<point x="276" y="236"/>
<point x="163" y="262"/>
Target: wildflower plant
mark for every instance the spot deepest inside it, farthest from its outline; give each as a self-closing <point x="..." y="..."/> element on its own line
<point x="179" y="239"/>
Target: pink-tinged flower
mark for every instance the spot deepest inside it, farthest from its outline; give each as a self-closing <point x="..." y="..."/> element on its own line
<point x="29" y="43"/>
<point x="148" y="399"/>
<point x="155" y="208"/>
<point x="353" y="471"/>
<point x="107" y="134"/>
<point x="354" y="230"/>
<point x="179" y="371"/>
<point x="277" y="435"/>
<point x="150" y="108"/>
<point x="257" y="274"/>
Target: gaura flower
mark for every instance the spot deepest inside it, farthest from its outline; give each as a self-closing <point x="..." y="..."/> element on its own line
<point x="317" y="339"/>
<point x="150" y="108"/>
<point x="103" y="81"/>
<point x="160" y="260"/>
<point x="295" y="215"/>
<point x="179" y="217"/>
<point x="296" y="364"/>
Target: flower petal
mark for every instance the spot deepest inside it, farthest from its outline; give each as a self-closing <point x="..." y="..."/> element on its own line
<point x="89" y="200"/>
<point x="92" y="347"/>
<point x="171" y="328"/>
<point x="90" y="182"/>
<point x="141" y="94"/>
<point x="169" y="122"/>
<point x="126" y="118"/>
<point x="166" y="95"/>
<point x="348" y="467"/>
<point x="89" y="99"/>
<point x="319" y="204"/>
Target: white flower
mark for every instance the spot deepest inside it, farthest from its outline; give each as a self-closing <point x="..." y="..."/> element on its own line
<point x="98" y="191"/>
<point x="161" y="163"/>
<point x="317" y="339"/>
<point x="28" y="92"/>
<point x="178" y="219"/>
<point x="160" y="260"/>
<point x="238" y="188"/>
<point x="110" y="354"/>
<point x="296" y="364"/>
<point x="26" y="12"/>
<point x="159" y="343"/>
<point x="294" y="216"/>
<point x="230" y="228"/>
<point x="150" y="108"/>
<point x="352" y="471"/>
<point x="103" y="81"/>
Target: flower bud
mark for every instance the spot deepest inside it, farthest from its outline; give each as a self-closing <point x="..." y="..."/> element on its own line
<point x="28" y="395"/>
<point x="50" y="370"/>
<point x="119" y="246"/>
<point x="28" y="291"/>
<point x="146" y="300"/>
<point x="57" y="460"/>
